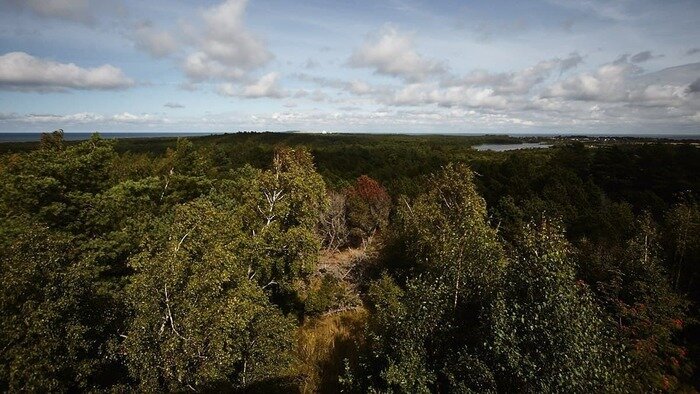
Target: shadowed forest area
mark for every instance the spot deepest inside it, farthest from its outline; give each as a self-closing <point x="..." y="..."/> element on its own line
<point x="266" y="262"/>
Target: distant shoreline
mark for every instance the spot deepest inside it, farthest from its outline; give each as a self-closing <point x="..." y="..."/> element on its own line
<point x="10" y="137"/>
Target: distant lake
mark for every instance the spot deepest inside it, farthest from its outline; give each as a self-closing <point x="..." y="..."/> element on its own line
<point x="507" y="147"/>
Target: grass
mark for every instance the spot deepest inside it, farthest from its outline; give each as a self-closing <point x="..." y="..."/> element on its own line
<point x="324" y="343"/>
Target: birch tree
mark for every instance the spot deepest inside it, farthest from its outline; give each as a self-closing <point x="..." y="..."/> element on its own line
<point x="200" y="320"/>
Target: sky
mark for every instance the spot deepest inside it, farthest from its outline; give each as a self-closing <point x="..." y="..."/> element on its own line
<point x="391" y="66"/>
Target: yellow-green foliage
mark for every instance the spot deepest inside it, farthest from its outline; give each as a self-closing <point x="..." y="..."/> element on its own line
<point x="328" y="293"/>
<point x="324" y="343"/>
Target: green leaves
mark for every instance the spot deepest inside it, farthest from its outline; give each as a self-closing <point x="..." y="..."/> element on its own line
<point x="199" y="319"/>
<point x="55" y="317"/>
<point x="424" y="335"/>
<point x="635" y="290"/>
<point x="199" y="292"/>
<point x="446" y="231"/>
<point x="131" y="271"/>
<point x="547" y="332"/>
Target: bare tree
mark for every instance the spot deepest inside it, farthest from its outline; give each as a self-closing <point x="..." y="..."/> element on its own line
<point x="333" y="226"/>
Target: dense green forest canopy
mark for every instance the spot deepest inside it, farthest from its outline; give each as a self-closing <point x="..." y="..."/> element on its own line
<point x="265" y="262"/>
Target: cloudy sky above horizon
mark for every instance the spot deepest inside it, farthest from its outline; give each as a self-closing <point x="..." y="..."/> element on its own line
<point x="370" y="66"/>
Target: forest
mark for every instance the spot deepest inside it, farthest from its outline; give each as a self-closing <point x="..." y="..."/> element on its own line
<point x="286" y="262"/>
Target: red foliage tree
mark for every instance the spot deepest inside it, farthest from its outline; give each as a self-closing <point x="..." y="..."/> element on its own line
<point x="368" y="207"/>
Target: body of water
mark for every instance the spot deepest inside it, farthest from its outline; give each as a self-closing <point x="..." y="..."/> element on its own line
<point x="507" y="147"/>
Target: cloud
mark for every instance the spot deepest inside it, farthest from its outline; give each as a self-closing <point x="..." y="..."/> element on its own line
<point x="310" y="63"/>
<point x="547" y="94"/>
<point x="126" y="117"/>
<point x="266" y="86"/>
<point x="188" y="86"/>
<point x="679" y="75"/>
<point x="225" y="49"/>
<point x="457" y="96"/>
<point x="315" y="95"/>
<point x="72" y="10"/>
<point x="692" y="51"/>
<point x="568" y="24"/>
<point x="603" y="9"/>
<point x="321" y="81"/>
<point x="570" y="62"/>
<point x="200" y="67"/>
<point x="657" y="95"/>
<point x="486" y="30"/>
<point x="356" y="87"/>
<point x="622" y="59"/>
<point x="77" y="118"/>
<point x="79" y="11"/>
<point x="21" y="71"/>
<point x="642" y="57"/>
<point x="89" y="119"/>
<point x="158" y="43"/>
<point x="621" y="90"/>
<point x="517" y="82"/>
<point x="607" y="83"/>
<point x="360" y="87"/>
<point x="173" y="105"/>
<point x="392" y="53"/>
<point x="694" y="87"/>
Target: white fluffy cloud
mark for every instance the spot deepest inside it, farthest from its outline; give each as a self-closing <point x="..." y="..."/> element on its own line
<point x="82" y="118"/>
<point x="517" y="82"/>
<point x="126" y="117"/>
<point x="225" y="49"/>
<point x="266" y="86"/>
<point x="217" y="47"/>
<point x="456" y="96"/>
<point x="622" y="82"/>
<point x="359" y="87"/>
<point x="389" y="52"/>
<point x="549" y="95"/>
<point x="21" y="71"/>
<point x="607" y="83"/>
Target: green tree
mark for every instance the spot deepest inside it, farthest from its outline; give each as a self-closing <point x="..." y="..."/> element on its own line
<point x="548" y="334"/>
<point x="428" y="334"/>
<point x="57" y="319"/>
<point x="417" y="344"/>
<point x="649" y="315"/>
<point x="200" y="322"/>
<point x="446" y="231"/>
<point x="279" y="211"/>
<point x="682" y="240"/>
<point x="62" y="296"/>
<point x="52" y="141"/>
<point x="56" y="186"/>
